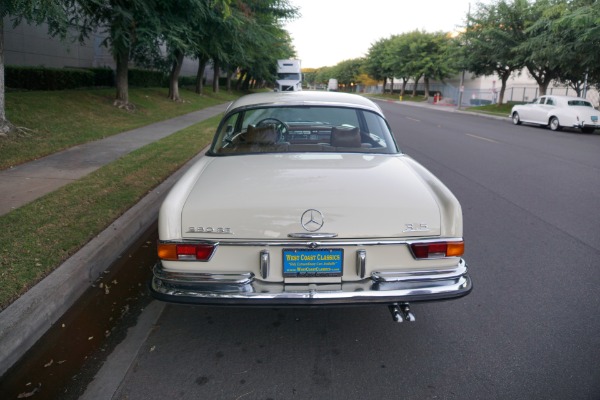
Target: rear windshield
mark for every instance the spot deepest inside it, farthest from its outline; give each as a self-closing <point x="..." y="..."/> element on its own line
<point x="580" y="103"/>
<point x="287" y="129"/>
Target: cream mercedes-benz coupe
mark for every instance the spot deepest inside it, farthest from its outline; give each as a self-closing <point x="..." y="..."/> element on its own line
<point x="304" y="199"/>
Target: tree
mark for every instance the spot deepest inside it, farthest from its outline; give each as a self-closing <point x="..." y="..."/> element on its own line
<point x="348" y="72"/>
<point x="54" y="13"/>
<point x="579" y="31"/>
<point x="418" y="56"/>
<point x="436" y="62"/>
<point x="374" y="64"/>
<point x="127" y="24"/>
<point x="250" y="39"/>
<point x="538" y="51"/>
<point x="493" y="34"/>
<point x="182" y="27"/>
<point x="396" y="59"/>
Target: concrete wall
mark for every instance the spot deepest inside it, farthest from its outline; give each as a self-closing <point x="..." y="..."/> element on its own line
<point x="31" y="45"/>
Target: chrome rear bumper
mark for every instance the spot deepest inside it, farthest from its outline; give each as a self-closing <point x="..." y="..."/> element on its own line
<point x="243" y="289"/>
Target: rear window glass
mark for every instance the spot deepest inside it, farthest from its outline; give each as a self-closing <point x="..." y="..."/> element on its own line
<point x="582" y="103"/>
<point x="285" y="129"/>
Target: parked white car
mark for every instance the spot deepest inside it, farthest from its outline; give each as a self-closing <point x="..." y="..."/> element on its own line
<point x="557" y="112"/>
<point x="304" y="199"/>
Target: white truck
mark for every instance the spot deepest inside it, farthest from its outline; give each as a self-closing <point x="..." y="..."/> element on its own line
<point x="289" y="76"/>
<point x="332" y="85"/>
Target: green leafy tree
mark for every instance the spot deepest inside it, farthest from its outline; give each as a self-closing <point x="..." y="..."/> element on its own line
<point x="437" y="63"/>
<point x="250" y="40"/>
<point x="494" y="33"/>
<point x="374" y="63"/>
<point x="578" y="30"/>
<point x="348" y="72"/>
<point x="324" y="74"/>
<point x="126" y="24"/>
<point x="538" y="51"/>
<point x="417" y="56"/>
<point x="396" y="59"/>
<point x="178" y="29"/>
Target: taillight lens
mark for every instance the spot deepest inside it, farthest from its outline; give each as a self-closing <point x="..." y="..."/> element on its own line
<point x="185" y="251"/>
<point x="437" y="249"/>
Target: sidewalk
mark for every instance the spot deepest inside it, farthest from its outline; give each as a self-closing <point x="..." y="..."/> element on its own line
<point x="24" y="321"/>
<point x="27" y="182"/>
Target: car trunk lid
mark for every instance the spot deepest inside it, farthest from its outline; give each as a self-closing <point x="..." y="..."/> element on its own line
<point x="353" y="196"/>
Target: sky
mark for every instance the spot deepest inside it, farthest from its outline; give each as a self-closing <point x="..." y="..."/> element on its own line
<point x="330" y="31"/>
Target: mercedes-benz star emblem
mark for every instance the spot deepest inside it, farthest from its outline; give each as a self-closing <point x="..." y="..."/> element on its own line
<point x="312" y="220"/>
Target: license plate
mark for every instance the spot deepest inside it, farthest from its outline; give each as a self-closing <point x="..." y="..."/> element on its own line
<point x="307" y="263"/>
<point x="594" y="118"/>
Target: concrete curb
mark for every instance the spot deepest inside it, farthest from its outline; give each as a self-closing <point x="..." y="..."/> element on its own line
<point x="24" y="322"/>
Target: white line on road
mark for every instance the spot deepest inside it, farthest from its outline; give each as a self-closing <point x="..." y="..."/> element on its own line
<point x="482" y="138"/>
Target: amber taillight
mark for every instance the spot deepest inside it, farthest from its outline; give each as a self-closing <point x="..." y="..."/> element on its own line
<point x="185" y="251"/>
<point x="437" y="249"/>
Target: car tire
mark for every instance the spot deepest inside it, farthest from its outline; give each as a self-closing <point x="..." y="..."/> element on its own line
<point x="516" y="119"/>
<point x="588" y="130"/>
<point x="554" y="124"/>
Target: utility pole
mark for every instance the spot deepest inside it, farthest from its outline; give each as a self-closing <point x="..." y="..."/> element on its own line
<point x="461" y="88"/>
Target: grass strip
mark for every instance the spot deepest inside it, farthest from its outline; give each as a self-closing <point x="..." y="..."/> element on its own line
<point x="36" y="238"/>
<point x="56" y="120"/>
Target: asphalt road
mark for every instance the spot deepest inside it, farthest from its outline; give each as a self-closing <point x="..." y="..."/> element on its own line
<point x="529" y="330"/>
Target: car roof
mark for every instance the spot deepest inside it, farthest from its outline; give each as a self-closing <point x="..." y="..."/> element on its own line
<point x="308" y="97"/>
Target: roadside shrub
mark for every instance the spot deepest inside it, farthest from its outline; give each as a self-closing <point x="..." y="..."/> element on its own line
<point x="187" y="81"/>
<point x="41" y="78"/>
<point x="146" y="78"/>
<point x="480" y="102"/>
<point x="103" y="76"/>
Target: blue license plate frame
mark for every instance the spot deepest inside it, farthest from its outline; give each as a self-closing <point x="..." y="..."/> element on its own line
<point x="313" y="263"/>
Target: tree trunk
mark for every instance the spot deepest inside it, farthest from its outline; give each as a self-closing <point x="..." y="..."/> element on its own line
<point x="240" y="81"/>
<point x="404" y="82"/>
<point x="174" y="76"/>
<point x="246" y="84"/>
<point x="426" y="81"/>
<point x="200" y="75"/>
<point x="414" y="92"/>
<point x="503" y="80"/>
<point x="542" y="77"/>
<point x="229" y="75"/>
<point x="216" y="74"/>
<point x="392" y="85"/>
<point x="5" y="126"/>
<point x="384" y="83"/>
<point x="544" y="87"/>
<point x="122" y="99"/>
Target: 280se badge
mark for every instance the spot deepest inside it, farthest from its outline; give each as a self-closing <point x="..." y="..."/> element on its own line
<point x="209" y="229"/>
<point x="380" y="229"/>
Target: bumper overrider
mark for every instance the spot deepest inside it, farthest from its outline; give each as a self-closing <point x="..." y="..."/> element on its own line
<point x="243" y="289"/>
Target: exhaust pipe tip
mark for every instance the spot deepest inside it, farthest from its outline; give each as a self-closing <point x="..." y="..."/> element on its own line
<point x="401" y="312"/>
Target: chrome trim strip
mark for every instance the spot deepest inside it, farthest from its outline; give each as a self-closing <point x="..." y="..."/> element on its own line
<point x="237" y="278"/>
<point x="415" y="276"/>
<point x="328" y="243"/>
<point x="265" y="262"/>
<point x="361" y="263"/>
<point x="303" y="235"/>
<point x="220" y="289"/>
